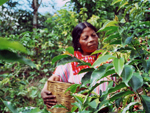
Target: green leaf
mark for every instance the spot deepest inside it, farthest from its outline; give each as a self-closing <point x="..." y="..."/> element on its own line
<point x="125" y="48"/>
<point x="78" y="98"/>
<point x="132" y="10"/>
<point x="97" y="84"/>
<point x="128" y="106"/>
<point x="102" y="105"/>
<point x="108" y="28"/>
<point x="120" y="94"/>
<point x="147" y="68"/>
<point x="94" y="103"/>
<point x="13" y="57"/>
<point x="10" y="106"/>
<point x="73" y="88"/>
<point x="127" y="9"/>
<point x="33" y="93"/>
<point x="128" y="40"/>
<point x="127" y="74"/>
<point x="2" y="2"/>
<point x="70" y="50"/>
<point x="85" y="111"/>
<point x="118" y="102"/>
<point x="55" y="59"/>
<point x="86" y="78"/>
<point x="146" y="23"/>
<point x="145" y="34"/>
<point x="73" y="109"/>
<point x="116" y="35"/>
<point x="82" y="63"/>
<point x="122" y="21"/>
<point x="110" y="85"/>
<point x="147" y="79"/>
<point x="118" y="64"/>
<point x="146" y="103"/>
<point x="136" y="81"/>
<point x="117" y="87"/>
<point x="147" y="11"/>
<point x="66" y="60"/>
<point x="114" y="29"/>
<point x="109" y="72"/>
<point x="102" y="59"/>
<point x="8" y="45"/>
<point x="97" y="51"/>
<point x="86" y="70"/>
<point x="9" y="56"/>
<point x="77" y="104"/>
<point x="122" y="5"/>
<point x="116" y="42"/>
<point x="97" y="74"/>
<point x="109" y="66"/>
<point x="28" y="62"/>
<point x="108" y="23"/>
<point x="1" y="91"/>
<point x="5" y="81"/>
<point x="115" y="1"/>
<point x="133" y="53"/>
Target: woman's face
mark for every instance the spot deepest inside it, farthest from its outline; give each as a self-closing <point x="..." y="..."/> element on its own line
<point x="88" y="41"/>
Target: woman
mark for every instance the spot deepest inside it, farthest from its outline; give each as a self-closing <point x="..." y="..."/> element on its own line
<point x="85" y="41"/>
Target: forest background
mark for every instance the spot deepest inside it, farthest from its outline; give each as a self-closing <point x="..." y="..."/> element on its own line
<point x="26" y="63"/>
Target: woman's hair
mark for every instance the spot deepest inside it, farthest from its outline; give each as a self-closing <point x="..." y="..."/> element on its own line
<point x="77" y="32"/>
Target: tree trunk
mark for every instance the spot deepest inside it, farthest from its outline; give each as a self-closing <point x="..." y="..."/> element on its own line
<point x="35" y="7"/>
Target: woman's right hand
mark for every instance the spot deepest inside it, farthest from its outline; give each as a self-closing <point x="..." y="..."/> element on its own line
<point x="48" y="98"/>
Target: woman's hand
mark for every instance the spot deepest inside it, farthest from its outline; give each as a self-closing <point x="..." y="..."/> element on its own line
<point x="54" y="78"/>
<point x="48" y="98"/>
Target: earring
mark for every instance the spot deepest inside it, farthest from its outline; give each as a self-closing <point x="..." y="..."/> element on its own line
<point x="78" y="48"/>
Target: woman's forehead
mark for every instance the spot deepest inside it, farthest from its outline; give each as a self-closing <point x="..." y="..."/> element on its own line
<point x="87" y="30"/>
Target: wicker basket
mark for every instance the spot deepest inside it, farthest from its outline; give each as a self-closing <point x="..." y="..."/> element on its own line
<point x="58" y="89"/>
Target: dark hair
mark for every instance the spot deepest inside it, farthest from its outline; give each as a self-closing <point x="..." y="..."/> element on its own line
<point x="77" y="32"/>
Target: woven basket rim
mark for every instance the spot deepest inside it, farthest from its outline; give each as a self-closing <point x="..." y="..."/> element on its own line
<point x="61" y="82"/>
